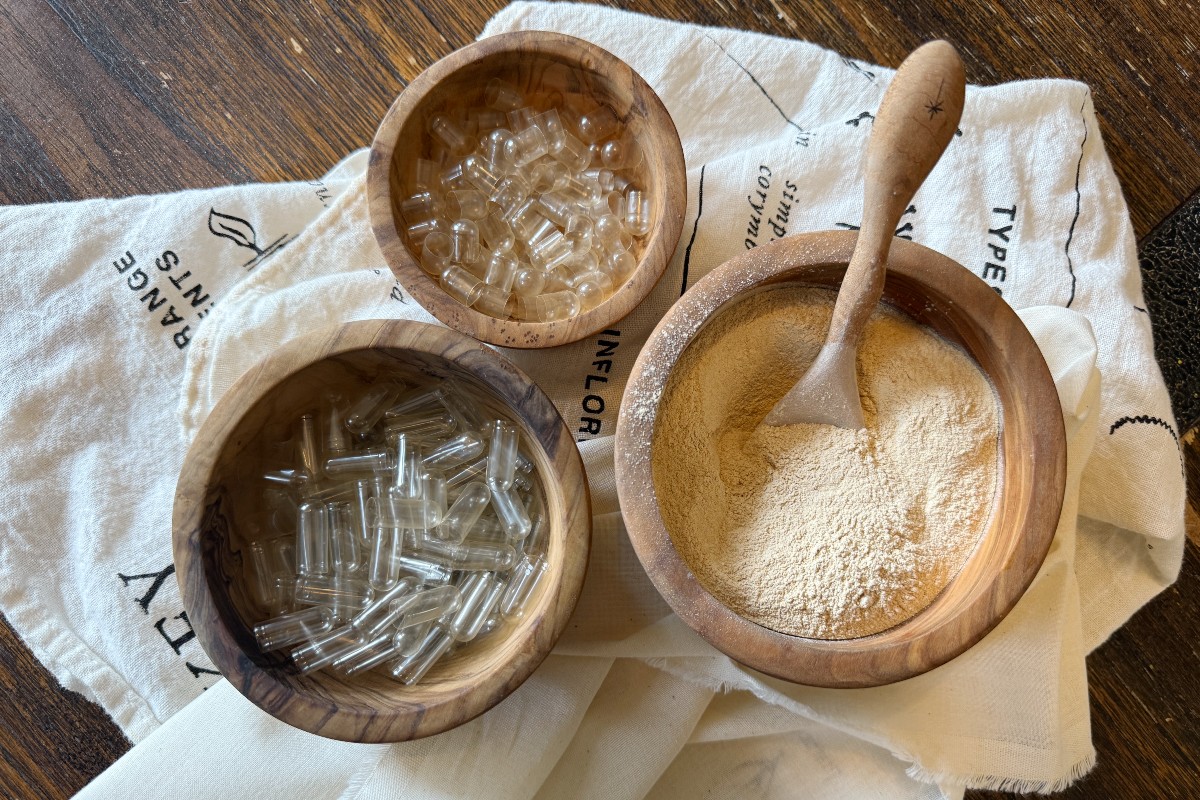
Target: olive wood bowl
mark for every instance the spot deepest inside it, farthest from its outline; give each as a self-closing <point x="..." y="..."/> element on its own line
<point x="936" y="292"/>
<point x="547" y="67"/>
<point x="218" y="510"/>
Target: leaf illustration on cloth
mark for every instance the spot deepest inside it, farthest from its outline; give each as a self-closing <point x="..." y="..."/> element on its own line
<point x="235" y="229"/>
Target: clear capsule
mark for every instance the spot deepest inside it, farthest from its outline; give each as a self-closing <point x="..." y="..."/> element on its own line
<point x="496" y="235"/>
<point x="322" y="651"/>
<point x="598" y="124"/>
<point x="502" y="95"/>
<point x="638" y="212"/>
<point x="411" y="669"/>
<point x="502" y="455"/>
<point x="495" y="302"/>
<point x="426" y="606"/>
<point x="290" y="629"/>
<point x="465" y="511"/>
<point x="522" y="583"/>
<point x="370" y="406"/>
<point x="459" y="450"/>
<point x="511" y="512"/>
<point x="333" y="591"/>
<point x="473" y="557"/>
<point x="448" y="133"/>
<point x="460" y="284"/>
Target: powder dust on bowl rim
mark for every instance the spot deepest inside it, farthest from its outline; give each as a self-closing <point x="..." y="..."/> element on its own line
<point x="812" y="530"/>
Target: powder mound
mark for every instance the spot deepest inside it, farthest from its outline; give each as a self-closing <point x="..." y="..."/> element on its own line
<point x="814" y="530"/>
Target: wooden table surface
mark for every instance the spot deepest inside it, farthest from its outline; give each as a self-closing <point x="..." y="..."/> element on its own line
<point x="118" y="97"/>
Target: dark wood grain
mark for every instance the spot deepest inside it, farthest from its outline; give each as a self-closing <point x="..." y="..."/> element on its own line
<point x="118" y="97"/>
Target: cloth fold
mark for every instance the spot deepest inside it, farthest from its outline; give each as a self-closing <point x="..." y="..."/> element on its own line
<point x="632" y="703"/>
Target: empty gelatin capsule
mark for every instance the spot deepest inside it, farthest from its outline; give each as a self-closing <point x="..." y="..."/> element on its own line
<point x="502" y="95"/>
<point x="378" y="647"/>
<point x="502" y="268"/>
<point x="483" y="120"/>
<point x="263" y="574"/>
<point x="368" y="409"/>
<point x="598" y="124"/>
<point x="306" y="445"/>
<point x="469" y="204"/>
<point x="418" y="427"/>
<point x="410" y="670"/>
<point x="527" y="145"/>
<point x="361" y="512"/>
<point x="460" y="284"/>
<point x="522" y="583"/>
<point x="462" y="474"/>
<point x="383" y="567"/>
<point x="464" y="242"/>
<point x="416" y="400"/>
<point x="593" y="289"/>
<point x="511" y="512"/>
<point x="466" y="509"/>
<point x="550" y="307"/>
<point x="502" y="455"/>
<point x="459" y="450"/>
<point x="427" y="605"/>
<point x="321" y="652"/>
<point x="293" y="628"/>
<point x="553" y="129"/>
<point x="448" y="133"/>
<point x="420" y="205"/>
<point x="345" y="544"/>
<point x="474" y="557"/>
<point x="496" y="235"/>
<point x="621" y="152"/>
<point x="480" y="175"/>
<point x="418" y="232"/>
<point x="473" y="590"/>
<point x="376" y="459"/>
<point x="333" y="591"/>
<point x="378" y="607"/>
<point x="495" y="302"/>
<point x="510" y="194"/>
<point x="637" y="212"/>
<point x="423" y="174"/>
<point x="619" y="266"/>
<point x="425" y="571"/>
<point x="521" y="118"/>
<point x="612" y="234"/>
<point x="573" y="154"/>
<point x="407" y="641"/>
<point x="312" y="540"/>
<point x="493" y="588"/>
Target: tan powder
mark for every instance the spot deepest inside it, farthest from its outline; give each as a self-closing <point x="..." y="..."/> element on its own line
<point x="813" y="530"/>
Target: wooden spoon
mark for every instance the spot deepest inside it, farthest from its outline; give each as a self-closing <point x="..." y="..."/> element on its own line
<point x="918" y="116"/>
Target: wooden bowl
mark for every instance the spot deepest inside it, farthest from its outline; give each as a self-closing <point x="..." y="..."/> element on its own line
<point x="546" y="66"/>
<point x="218" y="510"/>
<point x="934" y="291"/>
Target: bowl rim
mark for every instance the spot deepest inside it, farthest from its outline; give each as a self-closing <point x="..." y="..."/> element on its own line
<point x="659" y="247"/>
<point x="197" y="510"/>
<point x="849" y="663"/>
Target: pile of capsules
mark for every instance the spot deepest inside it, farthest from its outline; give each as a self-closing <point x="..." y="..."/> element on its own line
<point x="418" y="527"/>
<point x="525" y="213"/>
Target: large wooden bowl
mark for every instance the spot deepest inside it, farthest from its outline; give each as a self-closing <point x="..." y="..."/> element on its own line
<point x="218" y="511"/>
<point x="934" y="291"/>
<point x="546" y="66"/>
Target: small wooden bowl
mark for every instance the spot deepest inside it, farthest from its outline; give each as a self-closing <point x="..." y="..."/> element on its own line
<point x="546" y="66"/>
<point x="218" y="509"/>
<point x="934" y="291"/>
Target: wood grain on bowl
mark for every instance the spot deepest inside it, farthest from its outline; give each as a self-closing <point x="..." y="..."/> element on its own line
<point x="934" y="291"/>
<point x="218" y="511"/>
<point x="551" y="68"/>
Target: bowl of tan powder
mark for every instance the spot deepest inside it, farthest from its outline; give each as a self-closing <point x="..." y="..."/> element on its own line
<point x="827" y="556"/>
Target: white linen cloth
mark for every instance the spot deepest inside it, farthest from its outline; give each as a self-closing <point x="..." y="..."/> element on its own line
<point x="632" y="703"/>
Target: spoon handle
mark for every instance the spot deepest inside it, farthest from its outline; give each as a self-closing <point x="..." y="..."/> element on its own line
<point x="916" y="120"/>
